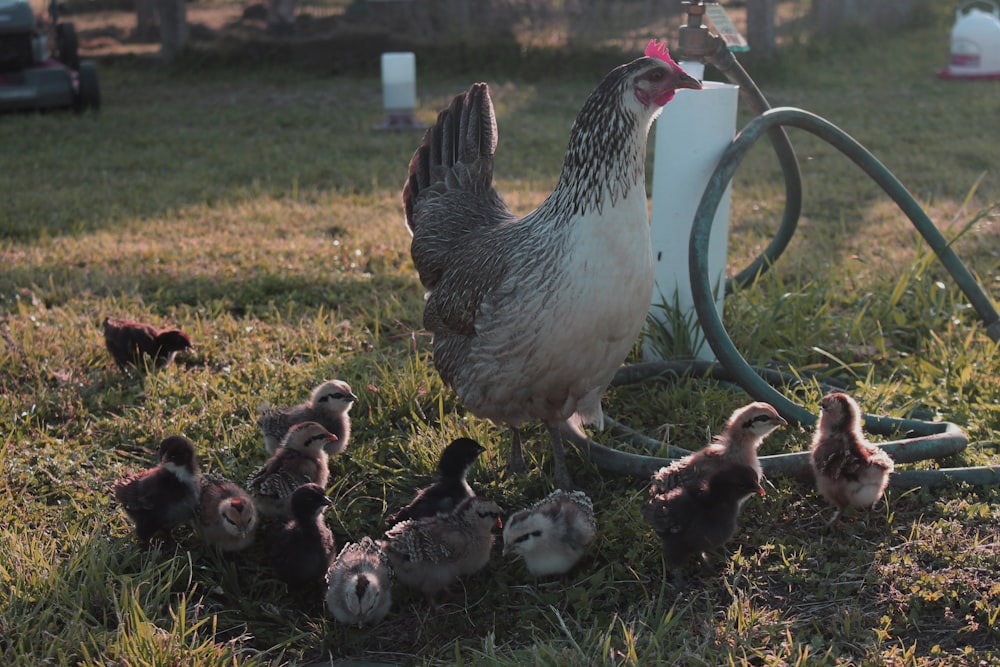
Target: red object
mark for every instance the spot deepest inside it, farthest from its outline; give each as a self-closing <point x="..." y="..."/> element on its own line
<point x="658" y="49"/>
<point x="947" y="74"/>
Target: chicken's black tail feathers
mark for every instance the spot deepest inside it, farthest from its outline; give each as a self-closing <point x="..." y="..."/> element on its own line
<point x="458" y="150"/>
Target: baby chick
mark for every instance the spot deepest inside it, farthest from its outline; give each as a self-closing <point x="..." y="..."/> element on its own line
<point x="692" y="519"/>
<point x="328" y="406"/>
<point x="738" y="443"/>
<point x="429" y="554"/>
<point x="128" y="341"/>
<point x="161" y="497"/>
<point x="301" y="549"/>
<point x="450" y="489"/>
<point x="552" y="535"/>
<point x="301" y="459"/>
<point x="358" y="584"/>
<point x="849" y="470"/>
<point x="226" y="515"/>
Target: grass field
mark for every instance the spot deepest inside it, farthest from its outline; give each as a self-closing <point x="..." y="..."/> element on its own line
<point x="260" y="212"/>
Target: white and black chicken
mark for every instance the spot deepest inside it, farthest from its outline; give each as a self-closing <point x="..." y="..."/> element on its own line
<point x="532" y="316"/>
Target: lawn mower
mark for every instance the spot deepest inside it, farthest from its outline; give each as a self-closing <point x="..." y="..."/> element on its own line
<point x="35" y="78"/>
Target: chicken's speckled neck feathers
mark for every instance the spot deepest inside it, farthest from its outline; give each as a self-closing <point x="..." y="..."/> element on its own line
<point x="606" y="154"/>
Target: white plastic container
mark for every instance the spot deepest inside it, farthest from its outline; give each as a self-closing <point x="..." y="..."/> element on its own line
<point x="692" y="132"/>
<point x="975" y="42"/>
<point x="399" y="81"/>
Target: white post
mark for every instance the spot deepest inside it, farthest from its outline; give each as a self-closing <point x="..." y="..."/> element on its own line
<point x="691" y="134"/>
<point x="399" y="90"/>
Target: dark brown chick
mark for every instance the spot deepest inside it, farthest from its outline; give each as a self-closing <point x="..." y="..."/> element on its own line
<point x="226" y="517"/>
<point x="849" y="470"/>
<point x="159" y="498"/>
<point x="693" y="519"/>
<point x="738" y="443"/>
<point x="301" y="549"/>
<point x="301" y="459"/>
<point x="429" y="554"/>
<point x="129" y="342"/>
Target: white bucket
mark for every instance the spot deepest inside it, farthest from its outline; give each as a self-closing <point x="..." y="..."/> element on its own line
<point x="975" y="42"/>
<point x="692" y="133"/>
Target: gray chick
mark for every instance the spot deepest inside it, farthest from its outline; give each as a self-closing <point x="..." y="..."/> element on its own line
<point x="430" y="553"/>
<point x="552" y="535"/>
<point x="359" y="584"/>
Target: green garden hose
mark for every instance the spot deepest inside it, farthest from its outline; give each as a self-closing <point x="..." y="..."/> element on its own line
<point x="925" y="439"/>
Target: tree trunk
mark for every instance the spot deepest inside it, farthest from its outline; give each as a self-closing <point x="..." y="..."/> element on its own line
<point x="146" y="25"/>
<point x="173" y="28"/>
<point x="281" y="16"/>
<point x="760" y="28"/>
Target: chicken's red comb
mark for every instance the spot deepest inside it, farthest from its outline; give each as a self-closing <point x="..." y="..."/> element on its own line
<point x="658" y="49"/>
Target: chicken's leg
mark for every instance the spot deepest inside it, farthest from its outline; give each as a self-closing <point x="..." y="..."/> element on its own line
<point x="515" y="464"/>
<point x="560" y="471"/>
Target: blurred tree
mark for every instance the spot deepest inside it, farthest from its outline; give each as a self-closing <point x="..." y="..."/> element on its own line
<point x="281" y="16"/>
<point x="147" y="27"/>
<point x="760" y="28"/>
<point x="174" y="31"/>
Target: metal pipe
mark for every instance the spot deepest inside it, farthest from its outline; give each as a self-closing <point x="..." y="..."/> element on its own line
<point x="695" y="42"/>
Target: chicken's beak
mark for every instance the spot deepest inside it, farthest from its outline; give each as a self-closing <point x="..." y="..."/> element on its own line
<point x="685" y="80"/>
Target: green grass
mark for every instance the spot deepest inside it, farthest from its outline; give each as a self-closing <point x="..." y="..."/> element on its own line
<point x="260" y="212"/>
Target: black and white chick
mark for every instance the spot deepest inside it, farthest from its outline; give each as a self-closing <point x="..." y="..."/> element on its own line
<point x="552" y="535"/>
<point x="429" y="554"/>
<point x="359" y="590"/>
<point x="163" y="496"/>
<point x="849" y="470"/>
<point x="301" y="459"/>
<point x="451" y="487"/>
<point x="226" y="516"/>
<point x="301" y="549"/>
<point x="328" y="406"/>
<point x="692" y="519"/>
<point x="739" y="441"/>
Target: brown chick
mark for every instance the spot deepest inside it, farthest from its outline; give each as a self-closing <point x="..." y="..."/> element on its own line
<point x="430" y="553"/>
<point x="738" y="443"/>
<point x="226" y="517"/>
<point x="849" y="470"/>
<point x="328" y="405"/>
<point x="692" y="519"/>
<point x="129" y="341"/>
<point x="161" y="497"/>
<point x="301" y="459"/>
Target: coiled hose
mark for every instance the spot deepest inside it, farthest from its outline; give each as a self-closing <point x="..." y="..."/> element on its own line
<point x="927" y="439"/>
